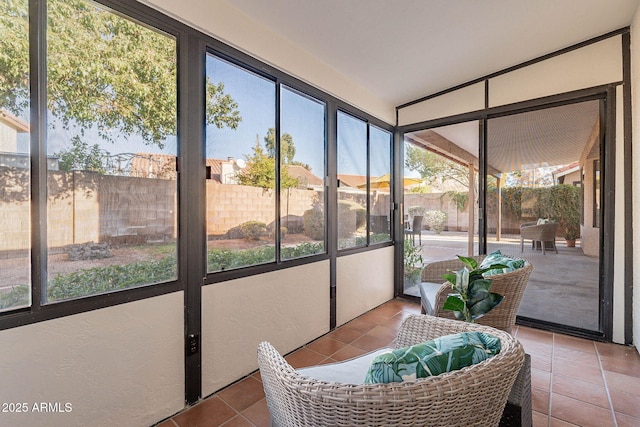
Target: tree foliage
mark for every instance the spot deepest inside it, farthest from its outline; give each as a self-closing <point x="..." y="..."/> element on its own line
<point x="434" y="168"/>
<point x="81" y="156"/>
<point x="261" y="170"/>
<point x="287" y="148"/>
<point x="103" y="71"/>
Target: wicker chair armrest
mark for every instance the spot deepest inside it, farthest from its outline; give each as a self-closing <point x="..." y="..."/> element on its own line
<point x="419" y="328"/>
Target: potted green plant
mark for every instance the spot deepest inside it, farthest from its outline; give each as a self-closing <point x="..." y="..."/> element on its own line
<point x="471" y="298"/>
<point x="413" y="264"/>
<point x="567" y="209"/>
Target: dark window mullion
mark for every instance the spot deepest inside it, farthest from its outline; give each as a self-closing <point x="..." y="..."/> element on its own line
<point x="278" y="171"/>
<point x="368" y="178"/>
<point x="38" y="141"/>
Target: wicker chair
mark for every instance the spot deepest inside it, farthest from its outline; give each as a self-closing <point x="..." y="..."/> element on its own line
<point x="511" y="285"/>
<point x="542" y="233"/>
<point x="473" y="396"/>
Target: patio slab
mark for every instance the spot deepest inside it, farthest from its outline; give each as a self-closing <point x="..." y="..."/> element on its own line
<point x="563" y="287"/>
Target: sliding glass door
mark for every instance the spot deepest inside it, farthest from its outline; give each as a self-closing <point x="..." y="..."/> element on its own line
<point x="440" y="197"/>
<point x="543" y="203"/>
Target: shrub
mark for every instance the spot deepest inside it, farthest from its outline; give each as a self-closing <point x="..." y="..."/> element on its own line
<point x="566" y="204"/>
<point x="413" y="263"/>
<point x="314" y="224"/>
<point x="302" y="249"/>
<point x="416" y="210"/>
<point x="436" y="220"/>
<point x="114" y="277"/>
<point x="379" y="237"/>
<point x="253" y="230"/>
<point x="225" y="259"/>
<point x="271" y="229"/>
<point x="350" y="214"/>
<point x="14" y="297"/>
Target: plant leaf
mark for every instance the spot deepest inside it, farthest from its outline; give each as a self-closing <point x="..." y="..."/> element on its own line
<point x="454" y="303"/>
<point x="485" y="305"/>
<point x="462" y="281"/>
<point x="450" y="277"/>
<point x="471" y="263"/>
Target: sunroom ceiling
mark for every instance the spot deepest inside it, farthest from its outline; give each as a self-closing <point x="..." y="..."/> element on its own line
<point x="550" y="137"/>
<point x="402" y="50"/>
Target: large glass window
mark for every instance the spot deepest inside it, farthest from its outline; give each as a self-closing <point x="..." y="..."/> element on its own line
<point x="104" y="214"/>
<point x="15" y="226"/>
<point x="364" y="182"/>
<point x="302" y="172"/>
<point x="241" y="164"/>
<point x="352" y="178"/>
<point x="111" y="147"/>
<point x="379" y="185"/>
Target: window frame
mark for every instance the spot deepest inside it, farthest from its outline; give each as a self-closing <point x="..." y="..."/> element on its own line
<point x="192" y="47"/>
<point x="371" y="121"/>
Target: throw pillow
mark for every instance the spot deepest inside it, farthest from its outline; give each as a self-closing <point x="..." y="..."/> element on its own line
<point x="543" y="221"/>
<point x="497" y="257"/>
<point x="434" y="357"/>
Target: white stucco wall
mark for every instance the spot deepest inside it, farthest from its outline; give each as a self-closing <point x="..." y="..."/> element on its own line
<point x="118" y="366"/>
<point x="288" y="308"/>
<point x="227" y="24"/>
<point x="590" y="66"/>
<point x="364" y="281"/>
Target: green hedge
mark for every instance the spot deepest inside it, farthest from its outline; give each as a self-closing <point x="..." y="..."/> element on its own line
<point x="115" y="277"/>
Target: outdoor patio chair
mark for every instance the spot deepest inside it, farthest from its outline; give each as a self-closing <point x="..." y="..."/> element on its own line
<point x="434" y="291"/>
<point x="539" y="234"/>
<point x="415" y="228"/>
<point x="472" y="396"/>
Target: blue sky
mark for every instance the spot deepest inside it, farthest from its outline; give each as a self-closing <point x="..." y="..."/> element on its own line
<point x="301" y="116"/>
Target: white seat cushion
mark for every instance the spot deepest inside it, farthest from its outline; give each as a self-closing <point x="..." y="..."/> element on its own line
<point x="351" y="371"/>
<point x="428" y="291"/>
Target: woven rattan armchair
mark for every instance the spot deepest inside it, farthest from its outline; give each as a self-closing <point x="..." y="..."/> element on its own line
<point x="473" y="396"/>
<point x="510" y="285"/>
<point x="542" y="233"/>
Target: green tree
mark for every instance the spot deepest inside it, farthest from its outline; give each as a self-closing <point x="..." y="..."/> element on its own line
<point x="434" y="168"/>
<point x="261" y="170"/>
<point x="81" y="156"/>
<point x="103" y="71"/>
<point x="287" y="148"/>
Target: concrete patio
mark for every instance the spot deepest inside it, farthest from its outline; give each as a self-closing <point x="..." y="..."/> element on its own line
<point x="563" y="287"/>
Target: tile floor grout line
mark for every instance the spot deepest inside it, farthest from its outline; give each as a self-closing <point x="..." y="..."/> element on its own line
<point x="606" y="387"/>
<point x="518" y="332"/>
<point x="251" y="423"/>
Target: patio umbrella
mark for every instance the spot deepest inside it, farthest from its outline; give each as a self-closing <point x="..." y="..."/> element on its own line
<point x="384" y="181"/>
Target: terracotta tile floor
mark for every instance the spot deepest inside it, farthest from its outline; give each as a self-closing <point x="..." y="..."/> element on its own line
<point x="574" y="381"/>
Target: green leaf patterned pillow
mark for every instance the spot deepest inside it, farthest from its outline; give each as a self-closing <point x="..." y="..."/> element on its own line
<point x="496" y="257"/>
<point x="443" y="354"/>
